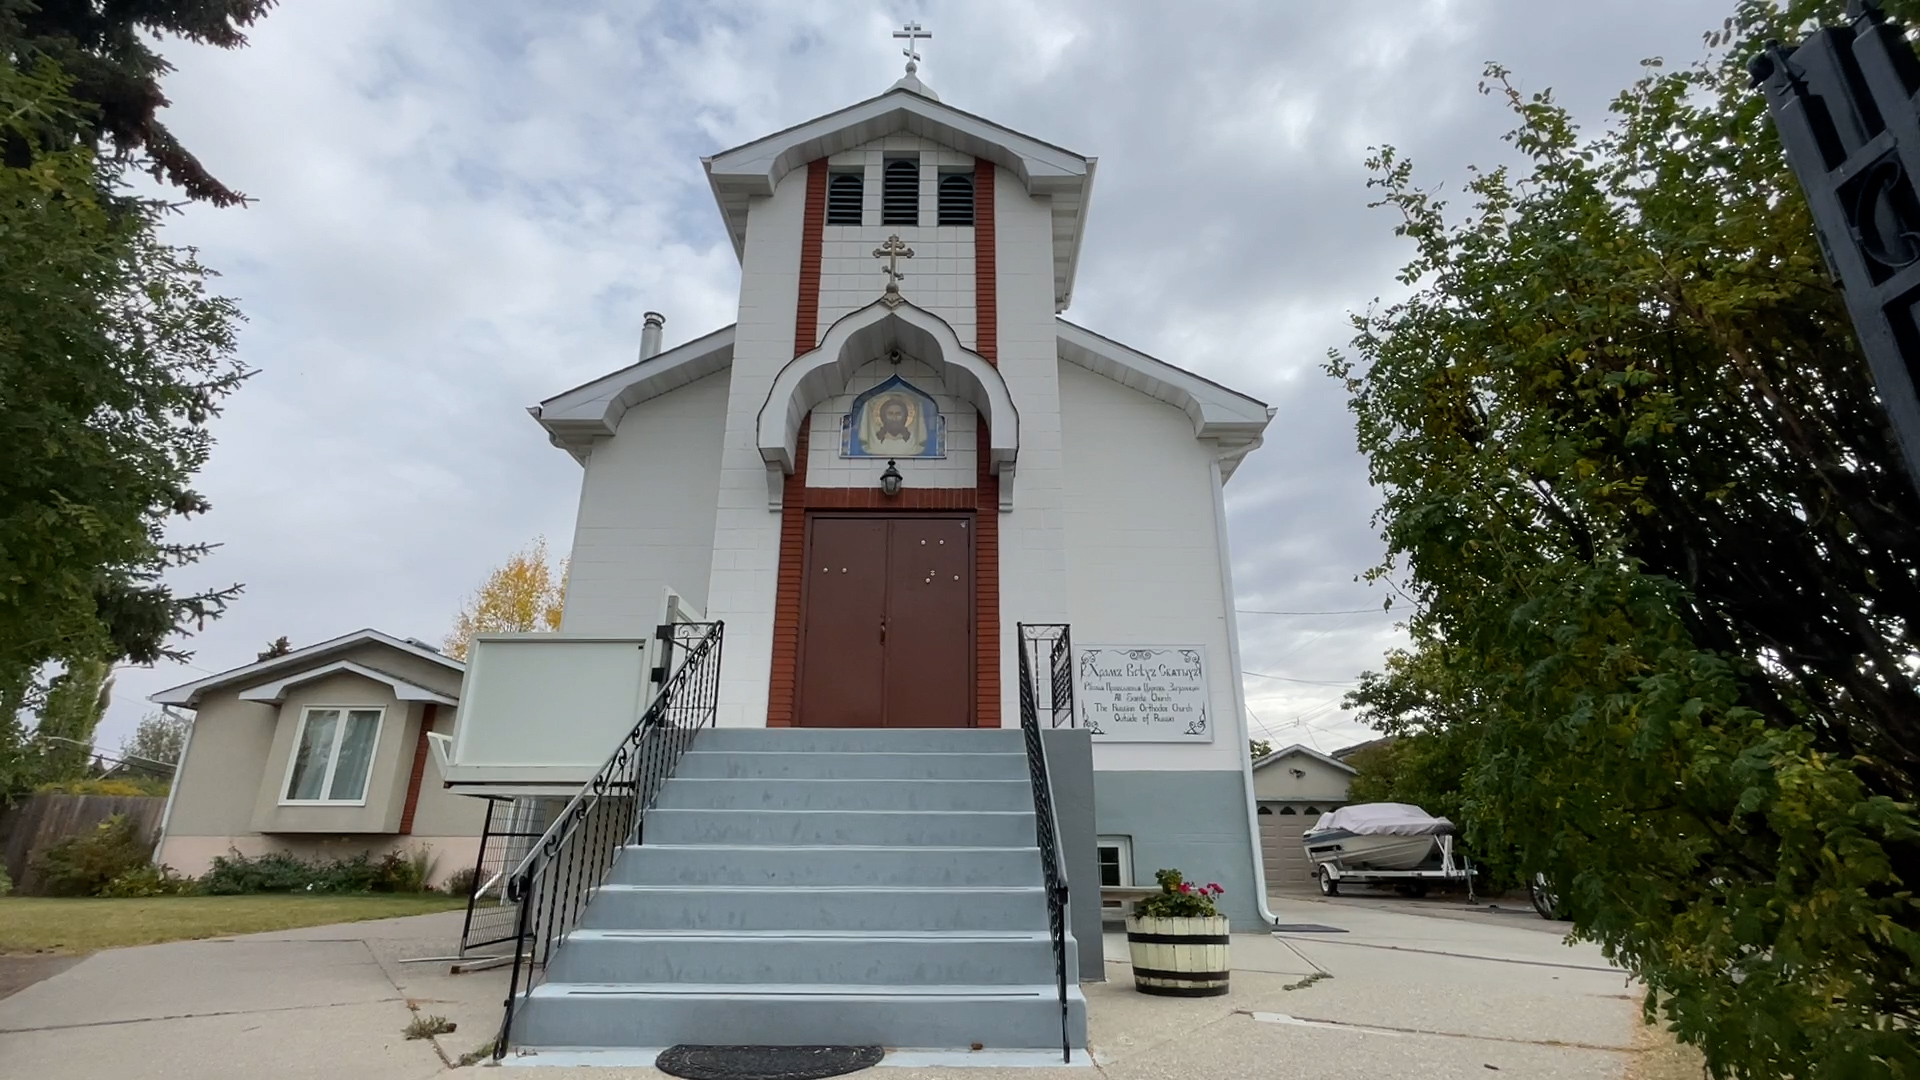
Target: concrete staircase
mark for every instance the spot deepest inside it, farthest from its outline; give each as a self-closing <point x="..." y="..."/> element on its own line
<point x="817" y="886"/>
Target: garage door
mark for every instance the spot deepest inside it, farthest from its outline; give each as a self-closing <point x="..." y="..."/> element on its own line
<point x="1280" y="847"/>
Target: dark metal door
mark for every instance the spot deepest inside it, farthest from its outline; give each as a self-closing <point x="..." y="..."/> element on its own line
<point x="929" y="677"/>
<point x="886" y="622"/>
<point x="843" y="603"/>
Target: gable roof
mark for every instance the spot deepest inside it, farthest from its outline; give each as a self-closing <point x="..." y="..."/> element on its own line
<point x="299" y="662"/>
<point x="574" y="418"/>
<point x="404" y="689"/>
<point x="1237" y="421"/>
<point x="756" y="168"/>
<point x="1300" y="748"/>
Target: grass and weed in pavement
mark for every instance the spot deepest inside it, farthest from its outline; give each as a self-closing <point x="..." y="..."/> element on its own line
<point x="63" y="924"/>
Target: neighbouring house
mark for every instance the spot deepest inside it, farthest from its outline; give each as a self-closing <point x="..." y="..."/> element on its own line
<point x="1293" y="787"/>
<point x="321" y="753"/>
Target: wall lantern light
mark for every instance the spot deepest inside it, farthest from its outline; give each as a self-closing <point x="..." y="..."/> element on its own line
<point x="890" y="480"/>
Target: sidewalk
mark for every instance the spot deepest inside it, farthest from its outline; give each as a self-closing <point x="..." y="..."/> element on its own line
<point x="1408" y="995"/>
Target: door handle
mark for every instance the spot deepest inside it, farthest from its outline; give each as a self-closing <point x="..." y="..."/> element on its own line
<point x="883" y="630"/>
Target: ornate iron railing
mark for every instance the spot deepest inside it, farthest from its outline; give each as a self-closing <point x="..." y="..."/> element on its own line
<point x="1056" y="644"/>
<point x="556" y="879"/>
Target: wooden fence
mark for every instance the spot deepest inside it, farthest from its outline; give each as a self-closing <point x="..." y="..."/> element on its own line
<point x="40" y="820"/>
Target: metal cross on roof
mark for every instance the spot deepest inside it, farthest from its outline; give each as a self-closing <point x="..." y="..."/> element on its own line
<point x="912" y="32"/>
<point x="893" y="251"/>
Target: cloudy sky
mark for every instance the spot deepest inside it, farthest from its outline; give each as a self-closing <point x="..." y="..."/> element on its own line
<point x="464" y="207"/>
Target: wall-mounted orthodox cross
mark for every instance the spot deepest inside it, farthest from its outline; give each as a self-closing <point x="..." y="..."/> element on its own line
<point x="893" y="251"/>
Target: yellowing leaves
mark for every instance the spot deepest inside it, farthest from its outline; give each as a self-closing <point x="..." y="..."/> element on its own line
<point x="523" y="594"/>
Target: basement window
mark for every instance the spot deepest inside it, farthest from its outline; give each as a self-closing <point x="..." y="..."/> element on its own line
<point x="845" y="191"/>
<point x="1116" y="861"/>
<point x="956" y="199"/>
<point x="900" y="192"/>
<point x="332" y="755"/>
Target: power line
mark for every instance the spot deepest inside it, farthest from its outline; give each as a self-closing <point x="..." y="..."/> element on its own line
<point x="1285" y="678"/>
<point x="1348" y="611"/>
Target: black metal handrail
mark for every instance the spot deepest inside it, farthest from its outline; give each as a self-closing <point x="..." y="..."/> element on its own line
<point x="1054" y="639"/>
<point x="556" y="879"/>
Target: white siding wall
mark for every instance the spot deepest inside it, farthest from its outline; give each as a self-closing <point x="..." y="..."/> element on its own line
<point x="746" y="541"/>
<point x="647" y="512"/>
<point x="1033" y="545"/>
<point x="826" y="468"/>
<point x="1139" y="516"/>
<point x="939" y="277"/>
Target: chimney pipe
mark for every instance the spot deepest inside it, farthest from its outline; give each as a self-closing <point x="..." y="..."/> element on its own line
<point x="650" y="326"/>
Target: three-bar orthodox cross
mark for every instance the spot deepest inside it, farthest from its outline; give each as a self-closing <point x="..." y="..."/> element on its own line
<point x="912" y="33"/>
<point x="893" y="251"/>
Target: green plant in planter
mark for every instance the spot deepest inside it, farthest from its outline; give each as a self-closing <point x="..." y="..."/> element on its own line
<point x="1179" y="898"/>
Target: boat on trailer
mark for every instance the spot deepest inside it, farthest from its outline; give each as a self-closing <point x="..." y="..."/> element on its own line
<point x="1384" y="844"/>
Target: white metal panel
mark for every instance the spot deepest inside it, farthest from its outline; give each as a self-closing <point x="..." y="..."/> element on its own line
<point x="543" y="701"/>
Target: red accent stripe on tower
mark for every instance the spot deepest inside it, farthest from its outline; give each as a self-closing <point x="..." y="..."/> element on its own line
<point x="806" y="317"/>
<point x="986" y="588"/>
<point x="986" y="309"/>
<point x="786" y="593"/>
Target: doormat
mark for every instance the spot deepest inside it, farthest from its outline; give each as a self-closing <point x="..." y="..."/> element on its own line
<point x="1306" y="928"/>
<point x="765" y="1062"/>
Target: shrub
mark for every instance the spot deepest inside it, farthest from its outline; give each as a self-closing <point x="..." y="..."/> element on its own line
<point x="149" y="880"/>
<point x="6" y="883"/>
<point x="1179" y="899"/>
<point x="235" y="874"/>
<point x="459" y="883"/>
<point x="83" y="865"/>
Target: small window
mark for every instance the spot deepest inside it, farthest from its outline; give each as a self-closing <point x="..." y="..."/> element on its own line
<point x="844" y="194"/>
<point x="956" y="199"/>
<point x="900" y="192"/>
<point x="1311" y="810"/>
<point x="1286" y="810"/>
<point x="1116" y="861"/>
<point x="332" y="755"/>
<point x="1266" y="811"/>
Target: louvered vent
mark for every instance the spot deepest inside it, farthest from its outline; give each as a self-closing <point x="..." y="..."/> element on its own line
<point x="900" y="193"/>
<point x="843" y="199"/>
<point x="956" y="199"/>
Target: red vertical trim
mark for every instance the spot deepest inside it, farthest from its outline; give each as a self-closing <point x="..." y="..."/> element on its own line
<point x="986" y="308"/>
<point x="786" y="595"/>
<point x="806" y="318"/>
<point x="986" y="588"/>
<point x="427" y="714"/>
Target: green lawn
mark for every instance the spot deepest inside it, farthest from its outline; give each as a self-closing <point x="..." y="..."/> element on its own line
<point x="46" y="924"/>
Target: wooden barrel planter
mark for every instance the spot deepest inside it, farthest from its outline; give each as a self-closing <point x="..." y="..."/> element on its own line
<point x="1179" y="957"/>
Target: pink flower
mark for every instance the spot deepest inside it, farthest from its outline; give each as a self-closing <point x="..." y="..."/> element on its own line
<point x="1186" y="888"/>
<point x="1214" y="887"/>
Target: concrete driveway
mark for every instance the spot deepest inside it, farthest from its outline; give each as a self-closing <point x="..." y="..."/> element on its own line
<point x="1397" y="993"/>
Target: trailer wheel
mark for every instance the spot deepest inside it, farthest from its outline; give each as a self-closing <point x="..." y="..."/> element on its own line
<point x="1328" y="886"/>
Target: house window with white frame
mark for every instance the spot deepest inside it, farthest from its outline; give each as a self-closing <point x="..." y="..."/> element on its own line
<point x="332" y="755"/>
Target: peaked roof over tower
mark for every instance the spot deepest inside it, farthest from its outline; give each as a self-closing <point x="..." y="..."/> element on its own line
<point x="739" y="174"/>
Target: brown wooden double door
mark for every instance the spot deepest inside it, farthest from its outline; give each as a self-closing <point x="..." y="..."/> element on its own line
<point x="886" y="621"/>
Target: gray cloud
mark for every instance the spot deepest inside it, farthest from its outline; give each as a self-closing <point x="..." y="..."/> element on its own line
<point x="465" y="208"/>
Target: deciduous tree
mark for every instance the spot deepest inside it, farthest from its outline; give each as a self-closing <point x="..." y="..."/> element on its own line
<point x="1665" y="560"/>
<point x="523" y="594"/>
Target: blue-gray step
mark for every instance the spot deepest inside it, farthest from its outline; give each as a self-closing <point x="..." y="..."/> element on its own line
<point x="814" y="886"/>
<point x="995" y="828"/>
<point x="860" y="958"/>
<point x="700" y="793"/>
<point x="805" y="908"/>
<point x="827" y="864"/>
<point x="616" y="1015"/>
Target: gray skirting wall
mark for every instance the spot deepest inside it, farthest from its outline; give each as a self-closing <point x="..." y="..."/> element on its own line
<point x="1193" y="822"/>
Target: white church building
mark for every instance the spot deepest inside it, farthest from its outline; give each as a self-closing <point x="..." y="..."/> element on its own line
<point x="900" y="451"/>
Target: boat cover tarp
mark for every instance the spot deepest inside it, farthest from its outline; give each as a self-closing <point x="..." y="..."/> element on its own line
<point x="1383" y="819"/>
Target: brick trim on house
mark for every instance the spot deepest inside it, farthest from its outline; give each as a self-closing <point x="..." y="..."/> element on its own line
<point x="986" y="589"/>
<point x="813" y="221"/>
<point x="429" y="712"/>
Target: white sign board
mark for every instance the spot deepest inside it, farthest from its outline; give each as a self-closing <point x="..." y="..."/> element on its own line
<point x="1143" y="693"/>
